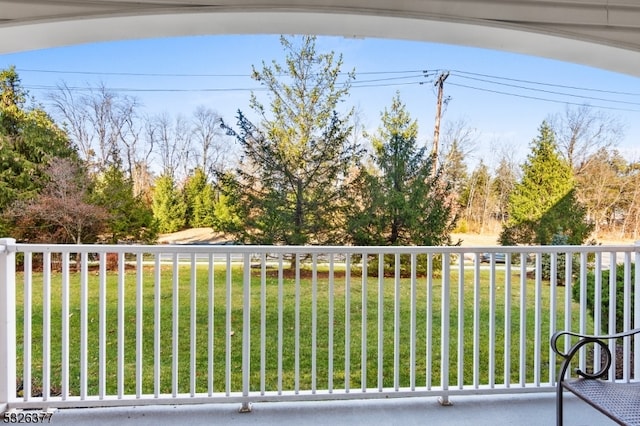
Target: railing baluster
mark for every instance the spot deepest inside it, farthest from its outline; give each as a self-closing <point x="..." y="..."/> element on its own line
<point x="429" y="321"/>
<point x="280" y="320"/>
<point x="27" y="338"/>
<point x="139" y="319"/>
<point x="597" y="304"/>
<point x="121" y="278"/>
<point x="476" y="322"/>
<point x="175" y="330"/>
<point x="84" y="323"/>
<point x="537" y="333"/>
<point x="461" y="293"/>
<point x="396" y="325"/>
<point x="613" y="303"/>
<point x="380" y="358"/>
<point x="413" y="325"/>
<point x="192" y="325"/>
<point x="157" y="321"/>
<point x="568" y="290"/>
<point x="636" y="310"/>
<point x="363" y="320"/>
<point x="263" y="322"/>
<point x="246" y="331"/>
<point x="523" y="321"/>
<point x="347" y="324"/>
<point x="296" y="367"/>
<point x="330" y="328"/>
<point x="568" y="286"/>
<point x="210" y="324"/>
<point x="553" y="294"/>
<point x="102" y="323"/>
<point x="626" y="315"/>
<point x="492" y="325"/>
<point x="583" y="302"/>
<point x="227" y="338"/>
<point x="507" y="320"/>
<point x="445" y="329"/>
<point x="46" y="327"/>
<point x="314" y="322"/>
<point x="65" y="326"/>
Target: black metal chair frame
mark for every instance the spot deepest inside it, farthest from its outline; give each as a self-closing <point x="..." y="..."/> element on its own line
<point x="590" y="387"/>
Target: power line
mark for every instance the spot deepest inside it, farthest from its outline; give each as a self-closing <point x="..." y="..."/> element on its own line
<point x="398" y="79"/>
<point x="541" y="99"/>
<point x="562" y="86"/>
<point x="142" y="90"/>
<point x="354" y="84"/>
<point x="141" y="74"/>
<point x="550" y="91"/>
<point x="126" y="74"/>
<point x="422" y="72"/>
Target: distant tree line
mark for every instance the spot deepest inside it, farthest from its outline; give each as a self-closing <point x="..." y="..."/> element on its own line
<point x="94" y="168"/>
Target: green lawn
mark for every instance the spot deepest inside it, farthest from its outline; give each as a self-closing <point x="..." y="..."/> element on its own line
<point x="293" y="296"/>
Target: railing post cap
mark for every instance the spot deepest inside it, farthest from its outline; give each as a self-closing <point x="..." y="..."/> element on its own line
<point x="7" y="244"/>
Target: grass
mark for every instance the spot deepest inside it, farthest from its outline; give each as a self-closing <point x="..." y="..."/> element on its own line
<point x="298" y="306"/>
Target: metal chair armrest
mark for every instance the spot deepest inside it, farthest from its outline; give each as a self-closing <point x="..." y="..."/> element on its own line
<point x="585" y="339"/>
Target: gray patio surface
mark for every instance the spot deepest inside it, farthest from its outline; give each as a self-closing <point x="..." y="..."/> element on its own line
<point x="521" y="410"/>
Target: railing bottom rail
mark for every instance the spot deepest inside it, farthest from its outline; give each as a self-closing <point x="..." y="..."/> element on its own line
<point x="238" y="398"/>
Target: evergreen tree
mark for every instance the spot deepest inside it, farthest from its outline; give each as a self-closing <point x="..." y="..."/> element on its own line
<point x="454" y="168"/>
<point x="169" y="208"/>
<point x="543" y="203"/>
<point x="289" y="187"/>
<point x="29" y="140"/>
<point x="129" y="217"/>
<point x="402" y="202"/>
<point x="199" y="195"/>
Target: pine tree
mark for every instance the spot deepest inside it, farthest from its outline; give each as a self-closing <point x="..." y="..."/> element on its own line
<point x="130" y="219"/>
<point x="454" y="169"/>
<point x="169" y="209"/>
<point x="402" y="202"/>
<point x="543" y="203"/>
<point x="199" y="195"/>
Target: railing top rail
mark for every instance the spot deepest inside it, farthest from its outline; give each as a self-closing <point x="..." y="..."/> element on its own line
<point x="275" y="249"/>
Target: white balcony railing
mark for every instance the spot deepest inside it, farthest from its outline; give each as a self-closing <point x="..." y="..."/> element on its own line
<point x="97" y="325"/>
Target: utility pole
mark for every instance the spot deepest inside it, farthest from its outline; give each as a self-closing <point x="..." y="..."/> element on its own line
<point x="436" y="131"/>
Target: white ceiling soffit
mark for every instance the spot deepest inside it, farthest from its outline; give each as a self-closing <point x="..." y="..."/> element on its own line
<point x="600" y="33"/>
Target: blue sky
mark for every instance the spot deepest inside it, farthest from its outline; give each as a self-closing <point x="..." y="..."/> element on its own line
<point x="175" y="75"/>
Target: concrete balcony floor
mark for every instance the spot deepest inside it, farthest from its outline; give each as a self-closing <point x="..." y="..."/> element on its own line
<point x="479" y="410"/>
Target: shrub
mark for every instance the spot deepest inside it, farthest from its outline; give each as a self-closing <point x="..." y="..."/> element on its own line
<point x="604" y="309"/>
<point x="561" y="261"/>
<point x="462" y="227"/>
